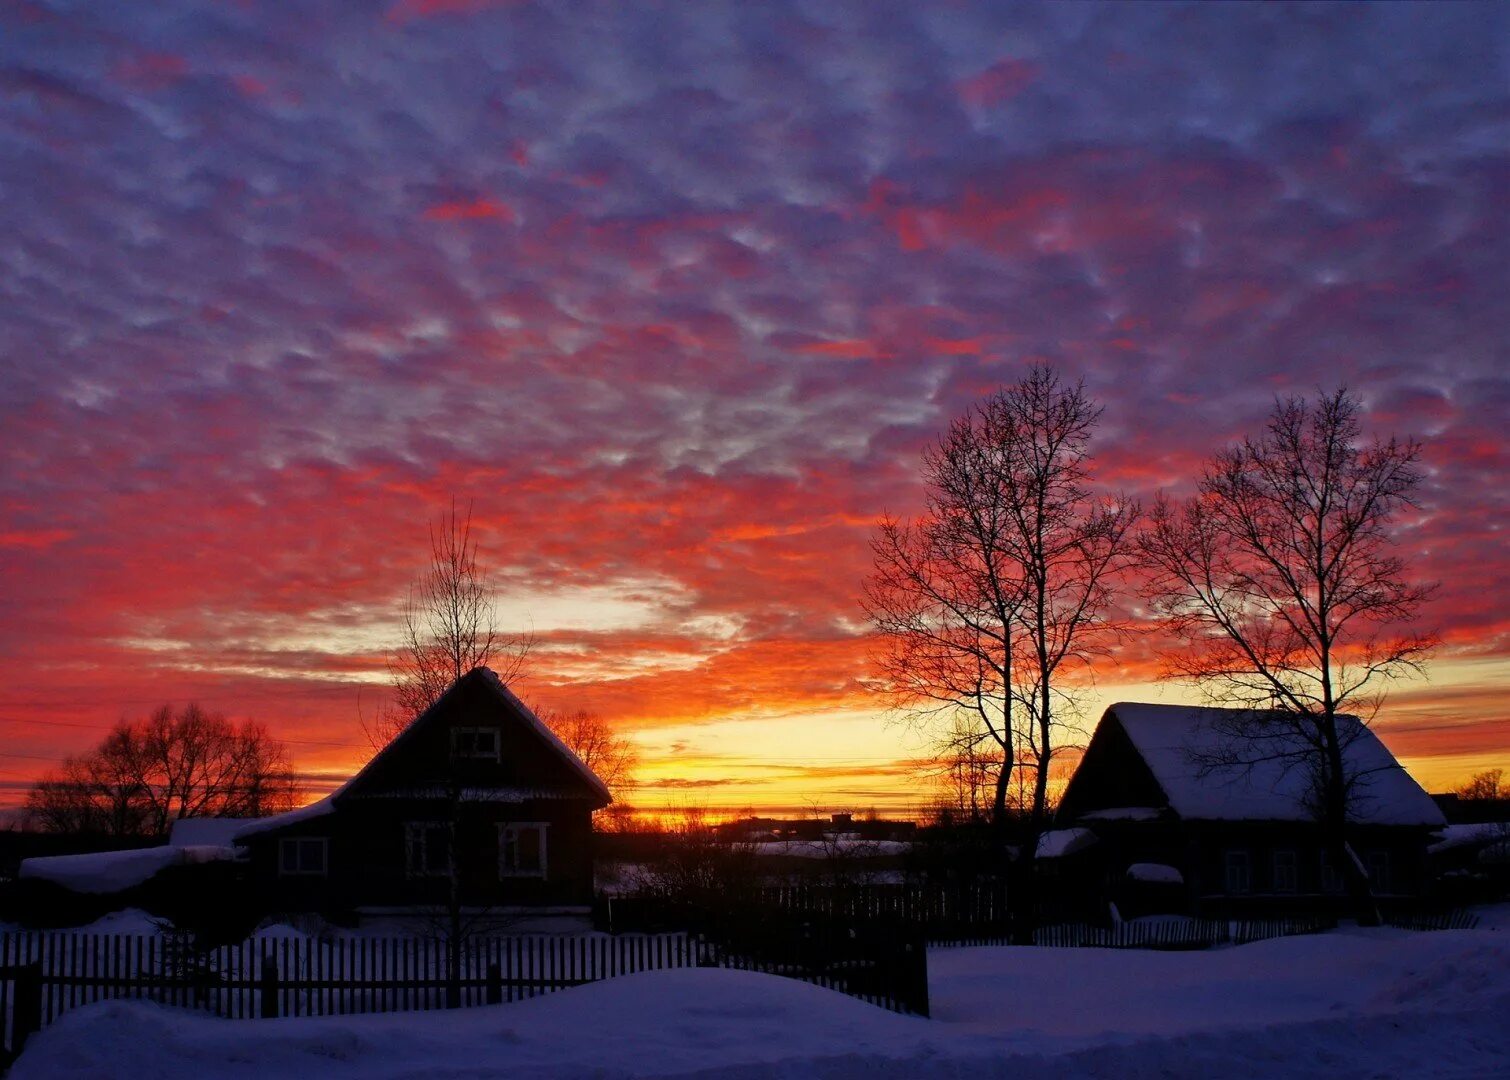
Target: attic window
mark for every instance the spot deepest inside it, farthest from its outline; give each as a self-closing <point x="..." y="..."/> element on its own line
<point x="475" y="743"/>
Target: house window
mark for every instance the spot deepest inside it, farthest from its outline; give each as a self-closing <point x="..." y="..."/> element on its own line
<point x="1239" y="873"/>
<point x="303" y="855"/>
<point x="1379" y="871"/>
<point x="521" y="849"/>
<point x="427" y="849"/>
<point x="1331" y="878"/>
<point x="481" y="742"/>
<point x="1286" y="872"/>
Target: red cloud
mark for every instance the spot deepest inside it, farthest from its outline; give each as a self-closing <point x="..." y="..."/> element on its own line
<point x="1000" y="82"/>
<point x="475" y="210"/>
<point x="409" y="10"/>
<point x="152" y="70"/>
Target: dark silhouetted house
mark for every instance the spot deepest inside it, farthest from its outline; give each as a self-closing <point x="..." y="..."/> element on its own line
<point x="1153" y="824"/>
<point x="476" y="783"/>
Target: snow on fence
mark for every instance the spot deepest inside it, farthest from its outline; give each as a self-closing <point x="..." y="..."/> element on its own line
<point x="45" y="973"/>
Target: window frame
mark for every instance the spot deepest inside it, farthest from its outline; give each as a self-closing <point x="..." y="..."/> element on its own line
<point x="1275" y="883"/>
<point x="1381" y="870"/>
<point x="496" y="754"/>
<point x="1232" y="859"/>
<point x="542" y="828"/>
<point x="295" y="843"/>
<point x="1333" y="883"/>
<point x="415" y="833"/>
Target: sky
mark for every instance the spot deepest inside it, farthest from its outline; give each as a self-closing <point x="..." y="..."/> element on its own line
<point x="673" y="296"/>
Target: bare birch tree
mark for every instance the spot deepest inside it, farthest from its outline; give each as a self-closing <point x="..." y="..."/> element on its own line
<point x="1280" y="575"/>
<point x="991" y="602"/>
<point x="449" y="622"/>
<point x="449" y="629"/>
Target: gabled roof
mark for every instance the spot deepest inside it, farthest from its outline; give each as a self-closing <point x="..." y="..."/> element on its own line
<point x="1175" y="740"/>
<point x="481" y="676"/>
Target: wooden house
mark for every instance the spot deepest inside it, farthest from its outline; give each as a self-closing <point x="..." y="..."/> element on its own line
<point x="476" y="785"/>
<point x="1164" y="825"/>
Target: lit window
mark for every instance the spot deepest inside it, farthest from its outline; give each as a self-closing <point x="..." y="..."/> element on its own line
<point x="475" y="743"/>
<point x="521" y="850"/>
<point x="427" y="849"/>
<point x="302" y="855"/>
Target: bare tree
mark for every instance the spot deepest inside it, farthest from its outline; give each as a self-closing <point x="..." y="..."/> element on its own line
<point x="1486" y="786"/>
<point x="1280" y="576"/>
<point x="148" y="773"/>
<point x="449" y="626"/>
<point x="991" y="602"/>
<point x="611" y="756"/>
<point x="449" y="629"/>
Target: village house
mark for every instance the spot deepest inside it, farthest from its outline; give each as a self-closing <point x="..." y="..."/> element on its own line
<point x="476" y="784"/>
<point x="1152" y="820"/>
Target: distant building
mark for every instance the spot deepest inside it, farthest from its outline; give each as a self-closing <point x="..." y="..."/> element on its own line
<point x="1147" y="821"/>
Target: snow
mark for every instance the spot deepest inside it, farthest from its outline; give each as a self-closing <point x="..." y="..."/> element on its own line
<point x="1057" y="843"/>
<point x="318" y="808"/>
<point x="1122" y="813"/>
<point x="1173" y="739"/>
<point x="206" y="832"/>
<point x="1457" y="836"/>
<point x="114" y="871"/>
<point x="588" y="776"/>
<point x="1347" y="1004"/>
<point x="327" y="805"/>
<point x="1154" y="874"/>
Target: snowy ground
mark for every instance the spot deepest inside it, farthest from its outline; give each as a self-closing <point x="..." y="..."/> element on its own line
<point x="1376" y="1003"/>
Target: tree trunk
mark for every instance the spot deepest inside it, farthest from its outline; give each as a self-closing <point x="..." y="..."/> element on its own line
<point x="1334" y="825"/>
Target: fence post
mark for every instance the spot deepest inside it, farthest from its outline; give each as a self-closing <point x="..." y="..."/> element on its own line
<point x="27" y="1016"/>
<point x="915" y="964"/>
<point x="495" y="984"/>
<point x="268" y="988"/>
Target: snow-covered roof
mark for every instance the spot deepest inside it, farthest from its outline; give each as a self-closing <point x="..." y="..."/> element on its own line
<point x="1471" y="835"/>
<point x="1123" y="813"/>
<point x="318" y="808"/>
<point x="1154" y="874"/>
<point x="589" y="777"/>
<point x="197" y="832"/>
<point x="114" y="871"/>
<point x="490" y="678"/>
<point x="1174" y="740"/>
<point x="1057" y="843"/>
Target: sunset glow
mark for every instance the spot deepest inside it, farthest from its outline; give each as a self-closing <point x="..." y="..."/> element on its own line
<point x="674" y="297"/>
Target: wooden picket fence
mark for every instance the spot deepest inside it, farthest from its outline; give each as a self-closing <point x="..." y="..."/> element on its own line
<point x="45" y="973"/>
<point x="976" y="914"/>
